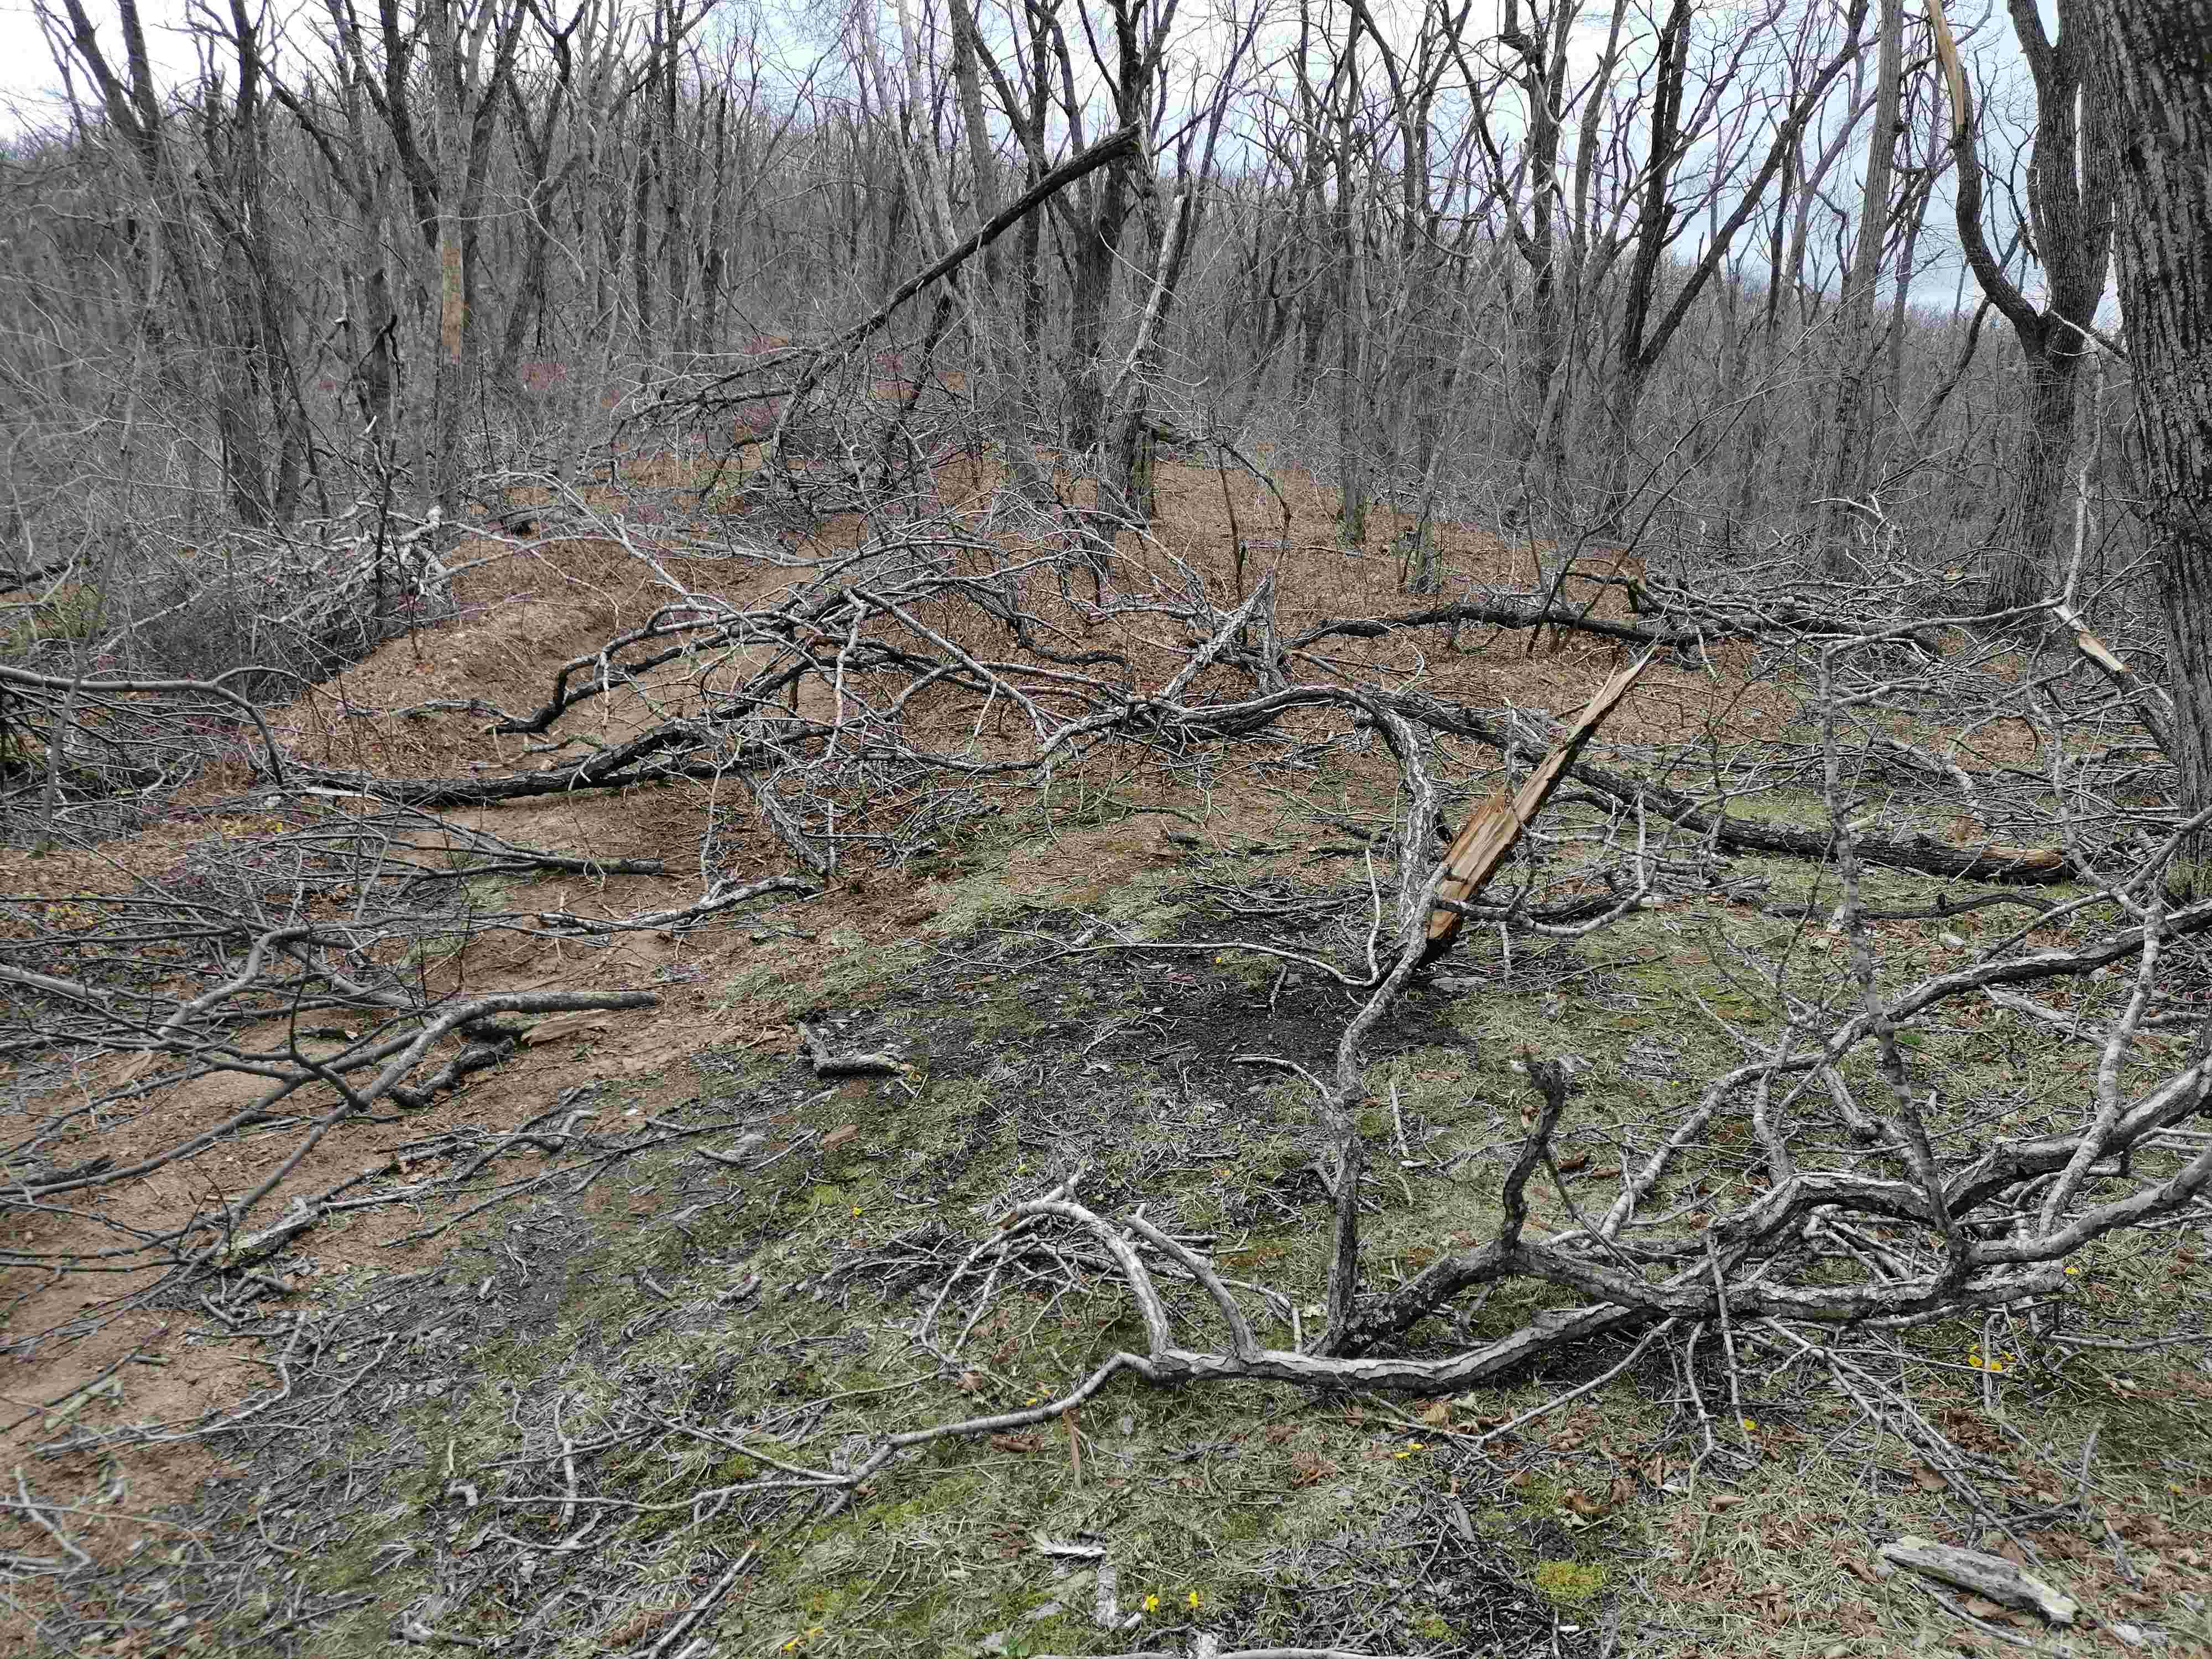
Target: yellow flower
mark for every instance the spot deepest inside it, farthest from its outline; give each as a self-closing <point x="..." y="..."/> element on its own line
<point x="1191" y="1599"/>
<point x="1749" y="1424"/>
<point x="1152" y="1604"/>
<point x="2071" y="1271"/>
<point x="856" y="1209"/>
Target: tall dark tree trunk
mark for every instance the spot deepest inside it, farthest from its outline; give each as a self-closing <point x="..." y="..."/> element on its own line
<point x="2155" y="75"/>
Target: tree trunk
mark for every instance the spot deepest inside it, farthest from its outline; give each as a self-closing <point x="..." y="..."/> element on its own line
<point x="449" y="392"/>
<point x="1354" y="415"/>
<point x="2021" y="574"/>
<point x="2153" y="78"/>
<point x="983" y="191"/>
<point x="1539" y="439"/>
<point x="1850" y="435"/>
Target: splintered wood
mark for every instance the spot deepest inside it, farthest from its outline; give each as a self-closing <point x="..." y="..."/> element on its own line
<point x="1494" y="829"/>
<point x="1989" y="1575"/>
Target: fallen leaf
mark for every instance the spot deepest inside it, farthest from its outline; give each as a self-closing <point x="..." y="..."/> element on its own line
<point x="1926" y="1479"/>
<point x="1017" y="1443"/>
<point x="1437" y="1415"/>
<point x="838" y="1136"/>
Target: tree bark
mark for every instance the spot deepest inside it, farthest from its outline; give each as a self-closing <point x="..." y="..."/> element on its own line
<point x="2154" y="62"/>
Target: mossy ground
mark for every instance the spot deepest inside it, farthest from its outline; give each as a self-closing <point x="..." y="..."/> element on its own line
<point x="547" y="1446"/>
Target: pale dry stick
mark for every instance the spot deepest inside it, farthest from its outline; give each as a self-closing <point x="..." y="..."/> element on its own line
<point x="699" y="1609"/>
<point x="350" y="1104"/>
<point x="1242" y="1343"/>
<point x="1896" y="1409"/>
<point x="53" y="1531"/>
<point x="74" y="687"/>
<point x="2117" y="1043"/>
<point x="2178" y="1193"/>
<point x="1014" y="1223"/>
<point x="1686" y="1363"/>
<point x="1780" y="1167"/>
<point x="995" y="683"/>
<point x="567" y="1463"/>
<point x="982" y="1299"/>
<point x="354" y="1101"/>
<point x="1727" y="1342"/>
<point x="152" y="1436"/>
<point x="409" y="1048"/>
<point x="1475" y="1443"/>
<point x="247" y="977"/>
<point x="2011" y="1638"/>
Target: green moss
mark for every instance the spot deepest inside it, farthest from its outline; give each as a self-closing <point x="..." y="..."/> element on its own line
<point x="1541" y="1492"/>
<point x="1571" y="1584"/>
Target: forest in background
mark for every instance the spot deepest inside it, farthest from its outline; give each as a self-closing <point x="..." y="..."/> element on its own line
<point x="1588" y="274"/>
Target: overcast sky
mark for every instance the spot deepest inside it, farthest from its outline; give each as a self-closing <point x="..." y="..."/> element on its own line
<point x="29" y="87"/>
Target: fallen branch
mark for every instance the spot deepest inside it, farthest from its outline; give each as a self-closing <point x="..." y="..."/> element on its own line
<point x="1921" y="853"/>
<point x="1991" y="1576"/>
<point x="1494" y="829"/>
<point x="827" y="1065"/>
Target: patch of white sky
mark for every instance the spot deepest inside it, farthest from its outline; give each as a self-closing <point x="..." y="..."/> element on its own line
<point x="788" y="43"/>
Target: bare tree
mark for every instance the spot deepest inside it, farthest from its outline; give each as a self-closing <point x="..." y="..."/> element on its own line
<point x="213" y="234"/>
<point x="2069" y="203"/>
<point x="1648" y="324"/>
<point x="1851" y="438"/>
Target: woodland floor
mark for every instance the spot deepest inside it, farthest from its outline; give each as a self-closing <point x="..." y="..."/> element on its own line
<point x="420" y="1380"/>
